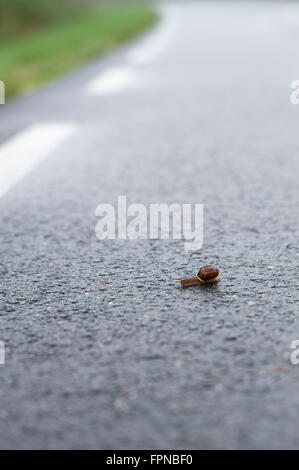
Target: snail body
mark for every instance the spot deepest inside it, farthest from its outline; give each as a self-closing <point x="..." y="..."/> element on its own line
<point x="205" y="274"/>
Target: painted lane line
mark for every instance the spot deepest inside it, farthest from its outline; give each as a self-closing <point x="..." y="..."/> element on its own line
<point x="145" y="54"/>
<point x="23" y="152"/>
<point x="111" y="81"/>
<point x="151" y="48"/>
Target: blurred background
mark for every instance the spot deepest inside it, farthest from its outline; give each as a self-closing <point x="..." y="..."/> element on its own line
<point x="41" y="39"/>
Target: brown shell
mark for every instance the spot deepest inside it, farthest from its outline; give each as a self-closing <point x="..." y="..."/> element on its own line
<point x="208" y="272"/>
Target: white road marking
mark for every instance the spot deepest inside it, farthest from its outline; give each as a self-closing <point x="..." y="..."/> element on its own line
<point x="111" y="81"/>
<point x="153" y="46"/>
<point x="24" y="151"/>
<point x="145" y="54"/>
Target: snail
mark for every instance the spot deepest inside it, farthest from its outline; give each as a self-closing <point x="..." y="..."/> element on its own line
<point x="205" y="274"/>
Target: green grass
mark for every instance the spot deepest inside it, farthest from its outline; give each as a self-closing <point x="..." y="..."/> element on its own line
<point x="36" y="57"/>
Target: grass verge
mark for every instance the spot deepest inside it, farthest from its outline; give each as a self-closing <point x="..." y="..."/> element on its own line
<point x="40" y="56"/>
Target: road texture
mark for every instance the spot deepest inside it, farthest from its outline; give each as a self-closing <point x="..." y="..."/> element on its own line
<point x="103" y="347"/>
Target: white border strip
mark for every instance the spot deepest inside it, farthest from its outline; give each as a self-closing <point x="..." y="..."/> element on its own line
<point x="111" y="81"/>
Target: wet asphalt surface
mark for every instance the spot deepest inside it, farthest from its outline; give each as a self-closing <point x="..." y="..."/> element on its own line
<point x="103" y="348"/>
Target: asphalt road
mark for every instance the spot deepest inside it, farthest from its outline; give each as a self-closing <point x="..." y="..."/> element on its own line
<point x="103" y="348"/>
